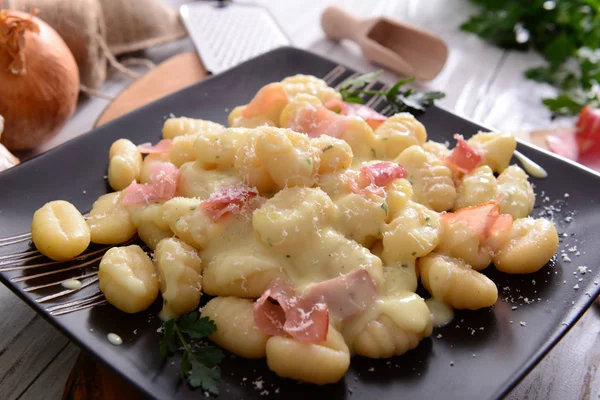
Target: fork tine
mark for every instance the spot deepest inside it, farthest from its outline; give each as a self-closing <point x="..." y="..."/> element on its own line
<point x="96" y="296"/>
<point x="34" y="288"/>
<point x="15" y="237"/>
<point x="332" y="75"/>
<point x="97" y="303"/>
<point x="19" y="255"/>
<point x="67" y="291"/>
<point x="56" y="271"/>
<point x="339" y="85"/>
<point x="24" y="239"/>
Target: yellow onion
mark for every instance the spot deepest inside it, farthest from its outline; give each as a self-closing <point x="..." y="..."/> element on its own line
<point x="39" y="81"/>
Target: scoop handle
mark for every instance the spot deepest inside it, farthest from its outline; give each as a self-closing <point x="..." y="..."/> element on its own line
<point x="339" y="24"/>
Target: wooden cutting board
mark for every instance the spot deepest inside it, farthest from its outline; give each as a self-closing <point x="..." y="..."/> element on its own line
<point x="88" y="379"/>
<point x="170" y="76"/>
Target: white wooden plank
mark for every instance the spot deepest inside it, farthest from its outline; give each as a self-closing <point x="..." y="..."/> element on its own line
<point x="50" y="383"/>
<point x="27" y="355"/>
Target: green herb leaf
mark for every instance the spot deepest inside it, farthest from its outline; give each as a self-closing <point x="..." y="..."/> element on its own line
<point x="198" y="365"/>
<point x="566" y="33"/>
<point x="399" y="100"/>
<point x="204" y="377"/>
<point x="168" y="343"/>
<point x="210" y="356"/>
<point x="196" y="328"/>
<point x="328" y="147"/>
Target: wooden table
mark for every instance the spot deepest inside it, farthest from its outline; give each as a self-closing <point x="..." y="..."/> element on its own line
<point x="482" y="83"/>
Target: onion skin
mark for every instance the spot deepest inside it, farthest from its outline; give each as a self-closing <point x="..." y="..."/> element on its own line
<point x="37" y="103"/>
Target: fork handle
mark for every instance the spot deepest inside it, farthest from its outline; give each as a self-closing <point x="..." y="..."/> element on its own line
<point x="339" y="24"/>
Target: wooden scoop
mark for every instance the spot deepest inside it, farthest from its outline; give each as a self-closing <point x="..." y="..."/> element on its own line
<point x="399" y="47"/>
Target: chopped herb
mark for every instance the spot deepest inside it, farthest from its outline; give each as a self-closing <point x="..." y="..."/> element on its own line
<point x="398" y="100"/>
<point x="384" y="207"/>
<point x="217" y="157"/>
<point x="328" y="147"/>
<point x="165" y="302"/>
<point x="177" y="220"/>
<point x="404" y="265"/>
<point x="373" y="152"/>
<point x="414" y="253"/>
<point x="308" y="161"/>
<point x="288" y="256"/>
<point x="427" y="219"/>
<point x="192" y="208"/>
<point x="269" y="242"/>
<point x="198" y="364"/>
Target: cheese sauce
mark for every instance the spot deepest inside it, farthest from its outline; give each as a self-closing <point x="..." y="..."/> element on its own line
<point x="442" y="313"/>
<point x="531" y="167"/>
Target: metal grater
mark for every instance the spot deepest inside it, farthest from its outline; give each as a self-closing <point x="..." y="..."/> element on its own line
<point x="226" y="34"/>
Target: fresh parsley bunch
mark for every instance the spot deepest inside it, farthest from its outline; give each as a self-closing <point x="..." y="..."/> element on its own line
<point x="565" y="32"/>
<point x="198" y="364"/>
<point x="399" y="100"/>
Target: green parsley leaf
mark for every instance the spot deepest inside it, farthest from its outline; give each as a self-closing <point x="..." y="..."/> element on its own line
<point x="168" y="343"/>
<point x="399" y="100"/>
<point x="373" y="152"/>
<point x="192" y="208"/>
<point x="198" y="365"/>
<point x="328" y="147"/>
<point x="196" y="328"/>
<point x="210" y="356"/>
<point x="204" y="377"/>
<point x="566" y="33"/>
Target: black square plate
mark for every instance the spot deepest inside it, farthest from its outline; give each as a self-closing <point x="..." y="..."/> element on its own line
<point x="480" y="355"/>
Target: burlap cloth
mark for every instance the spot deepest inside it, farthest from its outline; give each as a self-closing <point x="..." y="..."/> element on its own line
<point x="98" y="30"/>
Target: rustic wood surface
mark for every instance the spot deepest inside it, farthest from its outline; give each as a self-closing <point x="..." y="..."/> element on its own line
<point x="482" y="83"/>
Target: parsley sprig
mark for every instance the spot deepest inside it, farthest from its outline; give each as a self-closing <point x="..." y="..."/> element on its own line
<point x="198" y="364"/>
<point x="565" y="32"/>
<point x="399" y="100"/>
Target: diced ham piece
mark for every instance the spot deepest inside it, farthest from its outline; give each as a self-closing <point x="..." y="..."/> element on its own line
<point x="268" y="99"/>
<point x="316" y="121"/>
<point x="371" y="117"/>
<point x="374" y="177"/>
<point x="228" y="200"/>
<point x="303" y="319"/>
<point x="164" y="177"/>
<point x="164" y="146"/>
<point x="346" y="295"/>
<point x="485" y="219"/>
<point x="464" y="157"/>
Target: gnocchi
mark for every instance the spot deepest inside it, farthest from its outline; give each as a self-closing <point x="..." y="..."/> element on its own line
<point x="59" y="231"/>
<point x="308" y="226"/>
<point x="128" y="279"/>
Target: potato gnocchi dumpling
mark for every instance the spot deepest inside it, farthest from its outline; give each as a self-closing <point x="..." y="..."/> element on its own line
<point x="398" y="133"/>
<point x="393" y="326"/>
<point x="515" y="194"/>
<point x="318" y="363"/>
<point x="180" y="126"/>
<point x="59" y="231"/>
<point x="236" y="331"/>
<point x="453" y="282"/>
<point x="128" y="279"/>
<point x="496" y="148"/>
<point x="125" y="164"/>
<point x="476" y="187"/>
<point x="179" y="268"/>
<point x="431" y="180"/>
<point x="110" y="221"/>
<point x="530" y="245"/>
<point x="311" y="222"/>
